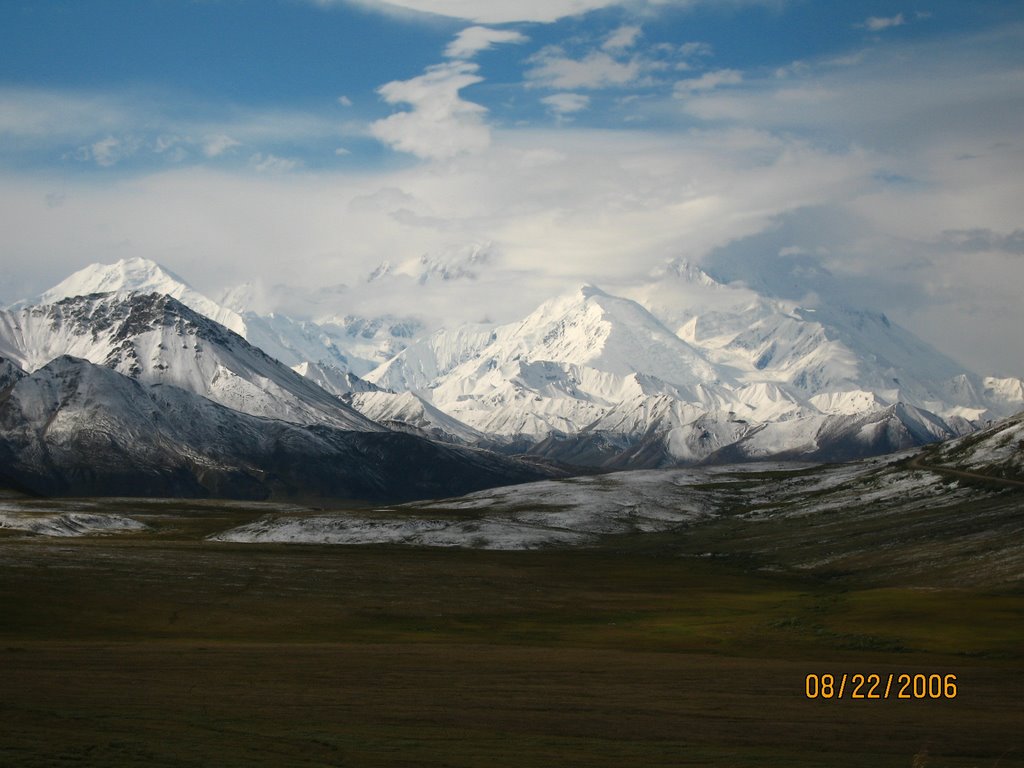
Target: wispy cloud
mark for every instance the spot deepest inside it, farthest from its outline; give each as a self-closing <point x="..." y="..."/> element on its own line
<point x="623" y="38"/>
<point x="857" y="95"/>
<point x="708" y="81"/>
<point x="440" y="124"/>
<point x="695" y="49"/>
<point x="170" y="146"/>
<point x="979" y="240"/>
<point x="110" y="150"/>
<point x="268" y="163"/>
<point x="489" y="12"/>
<point x="507" y="11"/>
<point x="615" y="62"/>
<point x="879" y="23"/>
<point x="33" y="113"/>
<point x="563" y="104"/>
<point x="218" y="144"/>
<point x="472" y="40"/>
<point x="552" y="68"/>
<point x="107" y="130"/>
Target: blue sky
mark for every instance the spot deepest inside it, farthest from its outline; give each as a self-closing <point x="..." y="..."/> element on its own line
<point x="181" y="62"/>
<point x="306" y="141"/>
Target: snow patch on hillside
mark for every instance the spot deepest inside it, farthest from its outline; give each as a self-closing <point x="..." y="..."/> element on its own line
<point x="65" y="524"/>
<point x="542" y="514"/>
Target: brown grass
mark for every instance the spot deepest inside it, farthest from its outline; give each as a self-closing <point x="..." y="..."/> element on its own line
<point x="161" y="650"/>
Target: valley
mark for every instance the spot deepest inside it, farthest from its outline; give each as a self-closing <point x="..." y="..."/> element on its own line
<point x="650" y="639"/>
<point x="378" y="544"/>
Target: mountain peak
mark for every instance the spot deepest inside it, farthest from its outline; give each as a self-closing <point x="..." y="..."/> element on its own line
<point x="158" y="339"/>
<point x="610" y="333"/>
<point x="588" y="290"/>
<point x="121" y="276"/>
<point x="689" y="272"/>
<point x="140" y="275"/>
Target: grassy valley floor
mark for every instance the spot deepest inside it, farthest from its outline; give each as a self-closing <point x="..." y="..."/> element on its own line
<point x="158" y="648"/>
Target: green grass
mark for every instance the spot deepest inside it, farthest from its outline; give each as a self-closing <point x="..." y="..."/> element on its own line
<point x="160" y="649"/>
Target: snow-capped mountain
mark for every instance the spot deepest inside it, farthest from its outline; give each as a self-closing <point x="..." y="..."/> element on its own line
<point x="839" y="437"/>
<point x="408" y="412"/>
<point x="560" y="369"/>
<point x="140" y="275"/>
<point x="75" y="428"/>
<point x="698" y="308"/>
<point x="683" y="369"/>
<point x="368" y="341"/>
<point x="842" y="360"/>
<point x="583" y="362"/>
<point x="345" y="341"/>
<point x="461" y="263"/>
<point x="296" y="341"/>
<point x="996" y="451"/>
<point x="157" y="339"/>
<point x="420" y="365"/>
<point x="829" y="350"/>
<point x="1006" y="393"/>
<point x="9" y="374"/>
<point x="593" y="378"/>
<point x="333" y="379"/>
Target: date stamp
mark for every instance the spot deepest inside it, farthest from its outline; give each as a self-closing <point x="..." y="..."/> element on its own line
<point x="872" y="686"/>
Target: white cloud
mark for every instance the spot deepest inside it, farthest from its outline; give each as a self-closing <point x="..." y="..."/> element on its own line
<point x="489" y="12"/>
<point x="857" y="98"/>
<point x="553" y="69"/>
<point x="27" y="114"/>
<point x="622" y="39"/>
<point x="472" y="40"/>
<point x="561" y="206"/>
<point x="110" y="150"/>
<point x="507" y="11"/>
<point x="617" y="63"/>
<point x="107" y="129"/>
<point x="563" y="104"/>
<point x="341" y="152"/>
<point x="440" y="124"/>
<point x="166" y="143"/>
<point x="214" y="146"/>
<point x="708" y="81"/>
<point x="878" y="23"/>
<point x="268" y="163"/>
<point x="345" y="101"/>
<point x="694" y="49"/>
<point x="107" y="151"/>
<point x="902" y="158"/>
<point x="173" y="148"/>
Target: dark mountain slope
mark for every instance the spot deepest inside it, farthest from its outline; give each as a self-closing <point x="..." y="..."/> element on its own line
<point x="75" y="428"/>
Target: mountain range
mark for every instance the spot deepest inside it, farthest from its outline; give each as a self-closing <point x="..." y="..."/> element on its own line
<point x="80" y="429"/>
<point x="680" y="370"/>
